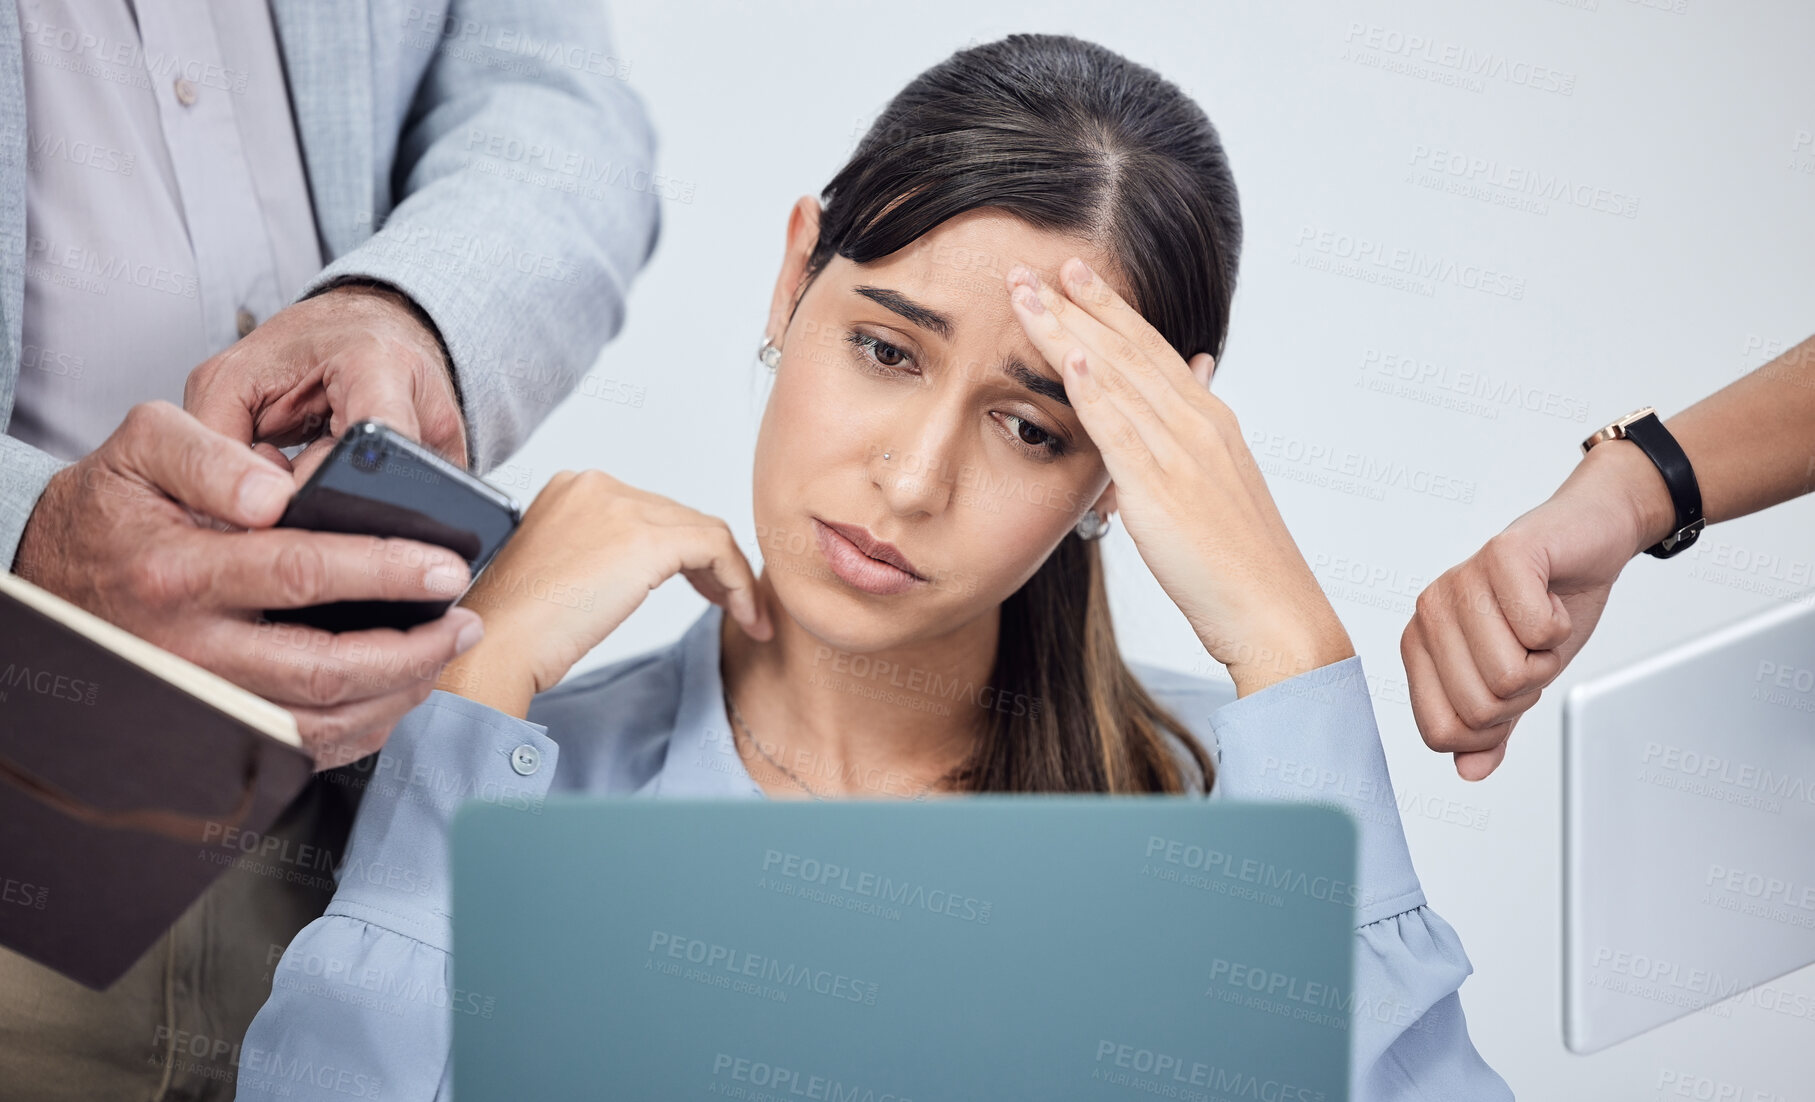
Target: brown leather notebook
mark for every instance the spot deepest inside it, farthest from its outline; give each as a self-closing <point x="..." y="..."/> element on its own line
<point x="129" y="779"/>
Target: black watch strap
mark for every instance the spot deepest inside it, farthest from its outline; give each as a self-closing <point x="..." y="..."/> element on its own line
<point x="1650" y="434"/>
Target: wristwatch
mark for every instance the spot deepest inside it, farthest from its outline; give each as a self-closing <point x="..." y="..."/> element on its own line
<point x="1642" y="427"/>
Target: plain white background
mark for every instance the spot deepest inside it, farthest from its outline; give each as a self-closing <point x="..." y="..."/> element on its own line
<point x="1400" y="427"/>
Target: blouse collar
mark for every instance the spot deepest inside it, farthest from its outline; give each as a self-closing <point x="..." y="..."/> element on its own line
<point x="702" y="760"/>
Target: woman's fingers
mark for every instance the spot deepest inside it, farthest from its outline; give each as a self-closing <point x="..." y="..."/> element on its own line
<point x="1521" y="574"/>
<point x="712" y="562"/>
<point x="1488" y="674"/>
<point x="1120" y="330"/>
<point x="1475" y="765"/>
<point x="1442" y="727"/>
<point x="1514" y="604"/>
<point x="1475" y="753"/>
<point x="1144" y="431"/>
<point x="1460" y="666"/>
<point x="1130" y="359"/>
<point x="1469" y="657"/>
<point x="1132" y="363"/>
<point x="1126" y="454"/>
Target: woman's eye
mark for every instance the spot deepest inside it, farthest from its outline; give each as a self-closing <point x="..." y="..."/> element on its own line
<point x="1033" y="435"/>
<point x="878" y="350"/>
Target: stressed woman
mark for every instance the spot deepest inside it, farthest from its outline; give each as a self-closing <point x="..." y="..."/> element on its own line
<point x="997" y="333"/>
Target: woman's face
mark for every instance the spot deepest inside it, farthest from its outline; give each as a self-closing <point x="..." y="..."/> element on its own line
<point x="910" y="408"/>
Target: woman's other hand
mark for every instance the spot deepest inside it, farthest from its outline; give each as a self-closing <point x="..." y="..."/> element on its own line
<point x="1187" y="488"/>
<point x="1494" y="630"/>
<point x="588" y="552"/>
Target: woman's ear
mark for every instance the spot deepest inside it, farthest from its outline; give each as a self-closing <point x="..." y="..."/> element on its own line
<point x="803" y="235"/>
<point x="1203" y="367"/>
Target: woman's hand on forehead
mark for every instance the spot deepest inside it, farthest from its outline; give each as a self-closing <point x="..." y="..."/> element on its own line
<point x="1189" y="491"/>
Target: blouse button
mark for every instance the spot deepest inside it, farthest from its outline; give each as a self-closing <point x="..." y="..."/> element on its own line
<point x="525" y="759"/>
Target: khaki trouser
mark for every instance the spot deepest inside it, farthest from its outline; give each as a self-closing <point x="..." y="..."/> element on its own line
<point x="171" y="1027"/>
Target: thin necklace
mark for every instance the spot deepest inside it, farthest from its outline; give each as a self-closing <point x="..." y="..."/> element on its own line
<point x="791" y="774"/>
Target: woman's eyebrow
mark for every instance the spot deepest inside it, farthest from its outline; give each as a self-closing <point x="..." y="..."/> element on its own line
<point x="1036" y="382"/>
<point x="1013" y="367"/>
<point x="922" y="316"/>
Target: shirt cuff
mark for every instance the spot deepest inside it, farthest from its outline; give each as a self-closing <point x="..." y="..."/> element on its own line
<point x="1312" y="739"/>
<point x="446" y="750"/>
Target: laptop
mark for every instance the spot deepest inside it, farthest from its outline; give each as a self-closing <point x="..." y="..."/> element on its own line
<point x="990" y="947"/>
<point x="1689" y="827"/>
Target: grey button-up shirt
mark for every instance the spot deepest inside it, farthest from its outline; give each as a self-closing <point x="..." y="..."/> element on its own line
<point x="395" y="106"/>
<point x="166" y="207"/>
<point x="166" y="214"/>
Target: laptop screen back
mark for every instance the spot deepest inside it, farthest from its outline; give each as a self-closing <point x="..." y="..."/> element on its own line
<point x="991" y="947"/>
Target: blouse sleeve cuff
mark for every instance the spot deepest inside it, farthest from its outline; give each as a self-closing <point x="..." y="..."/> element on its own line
<point x="1410" y="1034"/>
<point x="446" y="750"/>
<point x="1312" y="739"/>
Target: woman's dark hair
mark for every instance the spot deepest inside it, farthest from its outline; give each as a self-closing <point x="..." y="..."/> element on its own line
<point x="1074" y="139"/>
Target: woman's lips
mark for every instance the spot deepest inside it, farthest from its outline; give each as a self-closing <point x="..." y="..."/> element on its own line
<point x="846" y="558"/>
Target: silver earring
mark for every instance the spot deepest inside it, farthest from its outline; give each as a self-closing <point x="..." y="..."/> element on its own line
<point x="885" y="455"/>
<point x="769" y="354"/>
<point x="1092" y="525"/>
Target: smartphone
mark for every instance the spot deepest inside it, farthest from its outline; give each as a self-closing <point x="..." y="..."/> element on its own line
<point x="378" y="482"/>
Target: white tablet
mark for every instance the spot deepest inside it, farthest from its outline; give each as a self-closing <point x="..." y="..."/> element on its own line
<point x="1689" y="827"/>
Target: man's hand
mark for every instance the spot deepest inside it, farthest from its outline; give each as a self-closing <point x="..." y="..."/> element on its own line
<point x="112" y="533"/>
<point x="328" y="361"/>
<point x="1492" y="632"/>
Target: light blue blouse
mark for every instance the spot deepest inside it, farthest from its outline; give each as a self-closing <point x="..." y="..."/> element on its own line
<point x="362" y="1000"/>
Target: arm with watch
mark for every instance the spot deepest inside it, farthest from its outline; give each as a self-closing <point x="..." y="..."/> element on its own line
<point x="1493" y="631"/>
